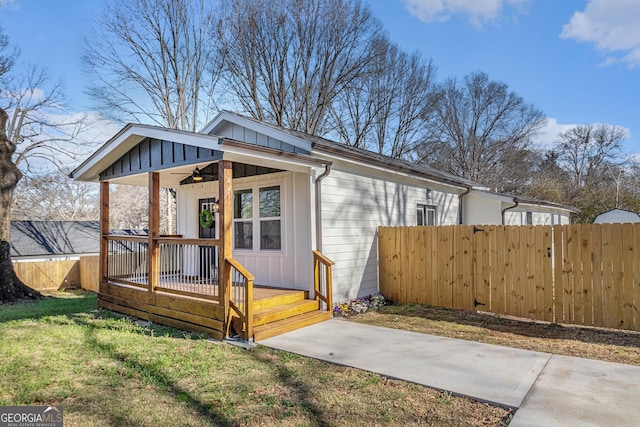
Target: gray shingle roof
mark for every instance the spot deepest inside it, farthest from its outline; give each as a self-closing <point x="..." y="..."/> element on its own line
<point x="47" y="238"/>
<point x="321" y="144"/>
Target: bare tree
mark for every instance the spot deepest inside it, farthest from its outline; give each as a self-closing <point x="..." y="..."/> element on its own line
<point x="477" y="123"/>
<point x="34" y="125"/>
<point x="11" y="288"/>
<point x="40" y="126"/>
<point x="129" y="209"/>
<point x="285" y="62"/>
<point x="387" y="107"/>
<point x="155" y="61"/>
<point x="586" y="150"/>
<point x="55" y="197"/>
<point x="8" y="56"/>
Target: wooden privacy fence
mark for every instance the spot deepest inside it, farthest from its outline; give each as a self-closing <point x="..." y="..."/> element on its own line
<point x="577" y="274"/>
<point x="60" y="274"/>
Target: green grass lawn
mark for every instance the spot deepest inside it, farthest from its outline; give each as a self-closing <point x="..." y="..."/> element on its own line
<point x="106" y="370"/>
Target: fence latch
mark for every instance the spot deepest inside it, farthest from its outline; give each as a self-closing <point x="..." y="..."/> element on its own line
<point x="477" y="303"/>
<point x="476" y="229"/>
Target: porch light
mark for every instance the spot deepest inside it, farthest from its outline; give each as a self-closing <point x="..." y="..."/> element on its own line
<point x="215" y="207"/>
<point x="197" y="175"/>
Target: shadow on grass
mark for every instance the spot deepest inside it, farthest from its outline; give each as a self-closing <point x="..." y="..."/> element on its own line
<point x="300" y="391"/>
<point x="49" y="306"/>
<point x="522" y="327"/>
<point x="179" y="394"/>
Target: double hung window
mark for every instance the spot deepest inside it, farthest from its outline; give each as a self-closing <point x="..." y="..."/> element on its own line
<point x="257" y="212"/>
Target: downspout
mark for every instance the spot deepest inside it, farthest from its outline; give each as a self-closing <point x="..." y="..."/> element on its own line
<point x="327" y="170"/>
<point x="515" y="200"/>
<point x="460" y="196"/>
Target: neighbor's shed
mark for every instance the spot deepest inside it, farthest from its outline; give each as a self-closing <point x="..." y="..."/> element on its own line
<point x="617" y="216"/>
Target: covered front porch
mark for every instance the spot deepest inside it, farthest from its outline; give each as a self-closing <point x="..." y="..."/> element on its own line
<point x="194" y="279"/>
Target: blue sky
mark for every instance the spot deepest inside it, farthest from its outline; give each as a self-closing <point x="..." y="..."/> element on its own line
<point x="576" y="60"/>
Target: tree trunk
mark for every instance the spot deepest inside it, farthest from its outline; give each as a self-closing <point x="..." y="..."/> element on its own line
<point x="11" y="288"/>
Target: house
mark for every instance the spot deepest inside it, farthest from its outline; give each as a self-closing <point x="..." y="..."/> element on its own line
<point x="287" y="209"/>
<point x="53" y="240"/>
<point x="617" y="216"/>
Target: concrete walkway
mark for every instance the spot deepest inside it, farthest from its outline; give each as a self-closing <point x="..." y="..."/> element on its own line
<point x="546" y="390"/>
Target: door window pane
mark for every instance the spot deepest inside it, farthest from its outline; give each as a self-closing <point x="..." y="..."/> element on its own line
<point x="270" y="202"/>
<point x="270" y="235"/>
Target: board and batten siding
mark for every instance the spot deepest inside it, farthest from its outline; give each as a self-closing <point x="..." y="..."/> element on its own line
<point x="353" y="206"/>
<point x="292" y="266"/>
<point x="244" y="134"/>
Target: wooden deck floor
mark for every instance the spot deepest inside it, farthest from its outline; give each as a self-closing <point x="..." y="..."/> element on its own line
<point x="207" y="290"/>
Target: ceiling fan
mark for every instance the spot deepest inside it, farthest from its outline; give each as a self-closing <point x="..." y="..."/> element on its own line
<point x="198" y="175"/>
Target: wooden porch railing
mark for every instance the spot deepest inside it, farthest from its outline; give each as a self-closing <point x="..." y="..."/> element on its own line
<point x="322" y="279"/>
<point x="241" y="298"/>
<point x="185" y="266"/>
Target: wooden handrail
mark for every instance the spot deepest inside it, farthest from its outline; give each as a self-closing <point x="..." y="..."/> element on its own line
<point x="243" y="271"/>
<point x="195" y="242"/>
<point x="127" y="238"/>
<point x="165" y="240"/>
<point x="323" y="257"/>
<point x="245" y="310"/>
<point x="327" y="297"/>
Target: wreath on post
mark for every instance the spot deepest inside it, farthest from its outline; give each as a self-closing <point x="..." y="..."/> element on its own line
<point x="206" y="218"/>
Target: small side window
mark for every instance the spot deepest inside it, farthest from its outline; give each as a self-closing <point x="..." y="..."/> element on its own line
<point x="529" y="218"/>
<point x="426" y="215"/>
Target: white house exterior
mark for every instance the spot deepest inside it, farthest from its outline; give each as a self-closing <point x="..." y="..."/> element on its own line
<point x="294" y="193"/>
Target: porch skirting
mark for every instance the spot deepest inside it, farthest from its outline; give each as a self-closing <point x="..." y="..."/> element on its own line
<point x="183" y="312"/>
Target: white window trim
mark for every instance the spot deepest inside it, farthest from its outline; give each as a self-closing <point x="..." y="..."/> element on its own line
<point x="255" y="189"/>
<point x="427" y="206"/>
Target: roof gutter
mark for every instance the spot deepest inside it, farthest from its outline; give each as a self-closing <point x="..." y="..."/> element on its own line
<point x="516" y="203"/>
<point x="460" y="196"/>
<point x="327" y="171"/>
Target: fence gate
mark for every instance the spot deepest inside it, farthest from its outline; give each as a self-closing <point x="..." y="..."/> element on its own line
<point x="513" y="270"/>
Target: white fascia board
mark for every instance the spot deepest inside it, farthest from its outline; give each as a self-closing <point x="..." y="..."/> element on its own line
<point x="242" y="154"/>
<point x="491" y="195"/>
<point x="127" y="138"/>
<point x="392" y="171"/>
<point x="535" y="207"/>
<point x="226" y="116"/>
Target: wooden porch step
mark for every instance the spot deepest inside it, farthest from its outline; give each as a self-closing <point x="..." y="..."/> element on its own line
<point x="292" y="323"/>
<point x="283" y="311"/>
<point x="262" y="299"/>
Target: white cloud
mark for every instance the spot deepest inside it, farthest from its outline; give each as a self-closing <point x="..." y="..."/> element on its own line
<point x="612" y="25"/>
<point x="548" y="136"/>
<point x="479" y="12"/>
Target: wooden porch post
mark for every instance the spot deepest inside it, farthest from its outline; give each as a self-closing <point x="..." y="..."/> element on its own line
<point x="104" y="231"/>
<point x="154" y="230"/>
<point x="225" y="206"/>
